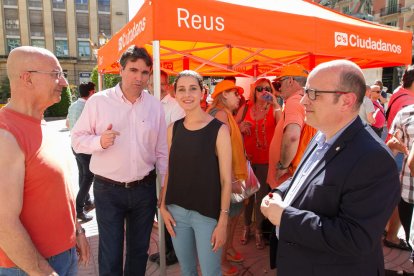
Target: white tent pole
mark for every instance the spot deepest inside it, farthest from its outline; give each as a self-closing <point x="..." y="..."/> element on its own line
<point x="157" y="93"/>
<point x="100" y="78"/>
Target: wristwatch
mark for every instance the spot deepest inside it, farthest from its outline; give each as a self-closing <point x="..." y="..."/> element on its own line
<point x="80" y="231"/>
<point x="279" y="166"/>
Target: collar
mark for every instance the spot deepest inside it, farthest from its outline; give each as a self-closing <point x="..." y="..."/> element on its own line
<point x="120" y="95"/>
<point x="331" y="141"/>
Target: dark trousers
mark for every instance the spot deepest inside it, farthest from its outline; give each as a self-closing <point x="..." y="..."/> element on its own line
<point x="122" y="210"/>
<point x="405" y="211"/>
<point x="85" y="180"/>
<point x="260" y="170"/>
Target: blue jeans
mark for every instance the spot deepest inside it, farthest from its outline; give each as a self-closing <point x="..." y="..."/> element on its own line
<point x="120" y="210"/>
<point x="85" y="180"/>
<point x="193" y="237"/>
<point x="65" y="264"/>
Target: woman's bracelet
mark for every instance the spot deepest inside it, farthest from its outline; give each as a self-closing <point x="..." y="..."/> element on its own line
<point x="224" y="211"/>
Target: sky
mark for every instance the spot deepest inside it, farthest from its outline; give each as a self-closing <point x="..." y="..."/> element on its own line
<point x="134" y="6"/>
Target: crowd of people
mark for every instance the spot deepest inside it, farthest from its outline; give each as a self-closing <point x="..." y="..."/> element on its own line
<point x="328" y="182"/>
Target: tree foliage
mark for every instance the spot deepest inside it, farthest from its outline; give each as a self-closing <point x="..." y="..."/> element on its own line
<point x="60" y="109"/>
<point x="110" y="80"/>
<point x="4" y="89"/>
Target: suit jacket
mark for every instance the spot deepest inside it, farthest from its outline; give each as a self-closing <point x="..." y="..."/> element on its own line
<point x="335" y="222"/>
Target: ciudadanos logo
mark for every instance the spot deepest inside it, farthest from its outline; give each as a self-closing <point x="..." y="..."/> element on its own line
<point x="355" y="41"/>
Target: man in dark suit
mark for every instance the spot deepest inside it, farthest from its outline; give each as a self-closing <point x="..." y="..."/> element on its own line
<point x="330" y="216"/>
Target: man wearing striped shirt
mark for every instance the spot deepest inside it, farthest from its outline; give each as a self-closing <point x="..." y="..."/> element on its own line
<point x="403" y="127"/>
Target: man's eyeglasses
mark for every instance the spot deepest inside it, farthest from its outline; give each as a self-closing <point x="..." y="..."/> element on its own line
<point x="376" y="91"/>
<point x="261" y="88"/>
<point x="57" y="74"/>
<point x="312" y="93"/>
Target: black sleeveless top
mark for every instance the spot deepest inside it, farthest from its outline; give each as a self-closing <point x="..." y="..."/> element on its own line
<point x="193" y="169"/>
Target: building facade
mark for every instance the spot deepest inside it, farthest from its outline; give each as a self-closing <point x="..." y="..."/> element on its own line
<point x="69" y="28"/>
<point x="398" y="14"/>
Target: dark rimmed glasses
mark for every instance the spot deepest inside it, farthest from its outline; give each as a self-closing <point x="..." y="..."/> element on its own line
<point x="261" y="88"/>
<point x="58" y="74"/>
<point x="312" y="93"/>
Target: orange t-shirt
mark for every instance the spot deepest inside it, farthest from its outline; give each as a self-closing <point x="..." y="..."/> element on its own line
<point x="48" y="211"/>
<point x="293" y="113"/>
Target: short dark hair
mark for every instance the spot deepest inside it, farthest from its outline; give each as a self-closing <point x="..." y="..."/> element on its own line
<point x="352" y="81"/>
<point x="379" y="83"/>
<point x="133" y="53"/>
<point x="408" y="77"/>
<point x="230" y="78"/>
<point x="85" y="88"/>
<point x="189" y="73"/>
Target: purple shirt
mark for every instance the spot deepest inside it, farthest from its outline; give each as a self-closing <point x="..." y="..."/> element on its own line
<point x="141" y="145"/>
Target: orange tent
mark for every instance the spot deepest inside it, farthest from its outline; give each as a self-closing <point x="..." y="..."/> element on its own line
<point x="253" y="38"/>
<point x="250" y="38"/>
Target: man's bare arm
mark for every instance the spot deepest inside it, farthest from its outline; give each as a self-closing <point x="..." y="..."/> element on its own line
<point x="14" y="239"/>
<point x="290" y="143"/>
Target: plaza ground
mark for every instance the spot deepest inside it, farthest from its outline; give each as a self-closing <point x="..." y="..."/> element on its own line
<point x="256" y="261"/>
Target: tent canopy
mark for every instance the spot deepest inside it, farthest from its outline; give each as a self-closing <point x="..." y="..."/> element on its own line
<point x="253" y="38"/>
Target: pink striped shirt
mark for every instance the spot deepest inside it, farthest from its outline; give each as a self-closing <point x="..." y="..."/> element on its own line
<point x="142" y="142"/>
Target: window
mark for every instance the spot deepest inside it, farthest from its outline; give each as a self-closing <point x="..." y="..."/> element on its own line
<point x="59" y="4"/>
<point x="34" y="3"/>
<point x="39" y="43"/>
<point x="36" y="23"/>
<point x="84" y="49"/>
<point x="392" y="7"/>
<point x="11" y="22"/>
<point x="105" y="24"/>
<point x="59" y="23"/>
<point x="104" y="5"/>
<point x="81" y="5"/>
<point x="13" y="43"/>
<point x="10" y="2"/>
<point x="82" y="24"/>
<point x="61" y="48"/>
<point x="345" y="10"/>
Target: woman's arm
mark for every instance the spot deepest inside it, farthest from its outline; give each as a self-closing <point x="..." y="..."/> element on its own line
<point x="223" y="148"/>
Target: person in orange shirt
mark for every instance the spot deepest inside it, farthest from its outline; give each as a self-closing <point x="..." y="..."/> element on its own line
<point x="286" y="139"/>
<point x="39" y="234"/>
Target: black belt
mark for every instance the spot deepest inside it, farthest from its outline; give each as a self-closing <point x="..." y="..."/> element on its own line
<point x="148" y="177"/>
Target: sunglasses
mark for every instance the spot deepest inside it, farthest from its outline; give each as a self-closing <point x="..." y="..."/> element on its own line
<point x="376" y="91"/>
<point x="261" y="88"/>
<point x="277" y="85"/>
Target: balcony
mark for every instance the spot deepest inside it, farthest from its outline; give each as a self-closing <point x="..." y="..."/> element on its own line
<point x="391" y="10"/>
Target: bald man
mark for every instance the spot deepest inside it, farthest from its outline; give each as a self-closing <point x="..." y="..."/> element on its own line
<point x="330" y="216"/>
<point x="39" y="234"/>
